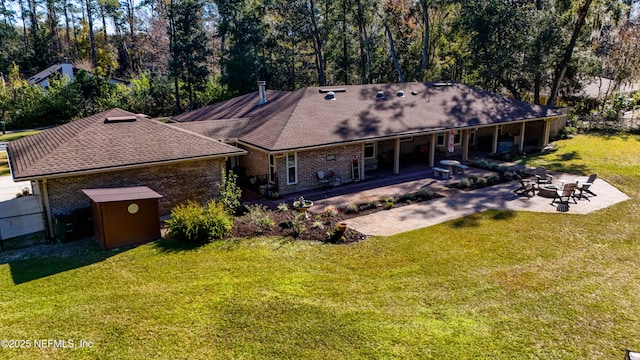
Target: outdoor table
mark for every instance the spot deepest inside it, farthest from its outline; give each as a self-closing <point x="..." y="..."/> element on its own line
<point x="450" y="164"/>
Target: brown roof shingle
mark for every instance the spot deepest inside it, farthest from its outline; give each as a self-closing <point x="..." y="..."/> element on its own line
<point x="305" y="118"/>
<point x="90" y="144"/>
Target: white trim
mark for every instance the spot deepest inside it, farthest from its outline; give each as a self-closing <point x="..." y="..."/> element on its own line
<point x="272" y="171"/>
<point x="364" y="149"/>
<point x="124" y="167"/>
<point x="295" y="167"/>
<point x="406" y="139"/>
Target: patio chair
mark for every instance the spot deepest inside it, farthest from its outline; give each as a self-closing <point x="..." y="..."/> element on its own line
<point x="583" y="187"/>
<point x="542" y="176"/>
<point x="526" y="188"/>
<point x="631" y="355"/>
<point x="563" y="195"/>
<point x="322" y="179"/>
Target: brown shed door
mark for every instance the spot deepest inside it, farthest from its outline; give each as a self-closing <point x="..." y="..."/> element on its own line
<point x="130" y="222"/>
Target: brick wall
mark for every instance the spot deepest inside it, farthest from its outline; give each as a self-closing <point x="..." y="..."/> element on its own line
<point x="193" y="180"/>
<point x="310" y="161"/>
<point x="256" y="162"/>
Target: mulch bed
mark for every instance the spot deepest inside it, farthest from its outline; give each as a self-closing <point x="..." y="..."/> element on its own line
<point x="320" y="226"/>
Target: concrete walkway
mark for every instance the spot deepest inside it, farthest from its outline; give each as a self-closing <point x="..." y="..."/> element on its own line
<point x="457" y="204"/>
<point x="9" y="188"/>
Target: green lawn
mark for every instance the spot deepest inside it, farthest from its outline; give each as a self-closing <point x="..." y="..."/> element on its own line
<point x="18" y="135"/>
<point x="4" y="165"/>
<point x="495" y="285"/>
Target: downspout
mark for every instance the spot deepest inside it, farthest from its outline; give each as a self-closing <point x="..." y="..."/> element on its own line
<point x="47" y="210"/>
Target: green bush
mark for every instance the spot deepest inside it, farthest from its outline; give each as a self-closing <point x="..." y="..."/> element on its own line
<point x="425" y="193"/>
<point x="229" y="193"/>
<point x="352" y="208"/>
<point x="195" y="223"/>
<point x="481" y="182"/>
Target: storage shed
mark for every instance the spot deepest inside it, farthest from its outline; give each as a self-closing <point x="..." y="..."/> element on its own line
<point x="125" y="216"/>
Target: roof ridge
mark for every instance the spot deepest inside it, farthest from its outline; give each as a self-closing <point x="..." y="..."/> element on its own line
<point x="293" y="111"/>
<point x="189" y="132"/>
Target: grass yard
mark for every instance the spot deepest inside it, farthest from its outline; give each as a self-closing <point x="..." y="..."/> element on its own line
<point x="495" y="285"/>
<point x="17" y="135"/>
<point x="4" y="164"/>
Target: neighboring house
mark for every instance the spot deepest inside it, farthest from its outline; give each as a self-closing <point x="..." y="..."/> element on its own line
<point x="359" y="131"/>
<point x="117" y="148"/>
<point x="65" y="70"/>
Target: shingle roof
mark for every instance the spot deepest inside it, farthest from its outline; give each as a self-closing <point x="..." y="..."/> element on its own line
<point x="91" y="144"/>
<point x="305" y="118"/>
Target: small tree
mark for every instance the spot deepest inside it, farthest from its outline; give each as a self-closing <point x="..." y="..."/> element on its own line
<point x="229" y="192"/>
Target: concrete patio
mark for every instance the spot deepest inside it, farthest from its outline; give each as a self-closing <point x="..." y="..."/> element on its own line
<point x="455" y="203"/>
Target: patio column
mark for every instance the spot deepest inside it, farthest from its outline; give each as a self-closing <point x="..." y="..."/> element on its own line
<point x="547" y="132"/>
<point x="521" y="145"/>
<point x="362" y="164"/>
<point x="494" y="148"/>
<point x="432" y="150"/>
<point x="465" y="145"/>
<point x="396" y="157"/>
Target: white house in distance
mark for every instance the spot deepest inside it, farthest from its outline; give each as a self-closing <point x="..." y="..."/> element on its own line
<point x="66" y="69"/>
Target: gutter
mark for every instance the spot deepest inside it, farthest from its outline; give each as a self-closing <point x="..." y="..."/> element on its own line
<point x="125" y="167"/>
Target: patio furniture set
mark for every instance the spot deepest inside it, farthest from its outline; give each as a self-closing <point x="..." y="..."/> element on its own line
<point x="563" y="192"/>
<point x="452" y="167"/>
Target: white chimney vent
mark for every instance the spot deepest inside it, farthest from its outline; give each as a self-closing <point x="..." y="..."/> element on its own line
<point x="262" y="92"/>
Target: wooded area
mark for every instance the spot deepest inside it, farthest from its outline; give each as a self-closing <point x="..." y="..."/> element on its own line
<point x="182" y="54"/>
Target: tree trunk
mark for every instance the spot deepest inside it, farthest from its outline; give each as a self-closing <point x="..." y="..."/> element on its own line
<point x="425" y="41"/>
<point x="67" y="31"/>
<point x="345" y="44"/>
<point x="91" y="35"/>
<point x="561" y="69"/>
<point x="25" y="38"/>
<point x="317" y="45"/>
<point x="53" y="25"/>
<point x="394" y="57"/>
<point x="365" y="59"/>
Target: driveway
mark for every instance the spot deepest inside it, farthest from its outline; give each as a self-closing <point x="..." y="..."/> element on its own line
<point x="9" y="188"/>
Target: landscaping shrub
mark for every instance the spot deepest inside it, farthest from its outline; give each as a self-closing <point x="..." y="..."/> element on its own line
<point x="260" y="218"/>
<point x="492" y="179"/>
<point x="425" y="193"/>
<point x="330" y="211"/>
<point x="195" y="223"/>
<point x="352" y="208"/>
<point x="229" y="193"/>
<point x="465" y="183"/>
<point x="388" y="203"/>
<point x="297" y="224"/>
<point x="481" y="182"/>
<point x="283" y="207"/>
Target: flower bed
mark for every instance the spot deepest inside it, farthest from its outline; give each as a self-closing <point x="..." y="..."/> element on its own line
<point x="318" y="224"/>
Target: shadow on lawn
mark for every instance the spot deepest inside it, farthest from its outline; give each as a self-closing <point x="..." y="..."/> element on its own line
<point x="474" y="220"/>
<point x="38" y="262"/>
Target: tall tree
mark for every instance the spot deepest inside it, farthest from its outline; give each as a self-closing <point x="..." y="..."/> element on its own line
<point x="189" y="53"/>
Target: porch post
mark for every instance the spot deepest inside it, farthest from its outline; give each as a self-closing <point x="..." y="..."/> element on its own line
<point x="465" y="145"/>
<point x="547" y="131"/>
<point x="432" y="150"/>
<point x="521" y="145"/>
<point x="494" y="148"/>
<point x="362" y="165"/>
<point x="396" y="157"/>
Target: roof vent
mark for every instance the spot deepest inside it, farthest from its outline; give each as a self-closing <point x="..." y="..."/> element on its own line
<point x="440" y="84"/>
<point x="324" y="91"/>
<point x="262" y="92"/>
<point x="119" y="119"/>
<point x="380" y="95"/>
<point x="414" y="92"/>
<point x="401" y="93"/>
<point x="330" y="96"/>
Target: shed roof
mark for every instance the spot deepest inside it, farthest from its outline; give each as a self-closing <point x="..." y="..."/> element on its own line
<point x="121" y="194"/>
<point x="308" y="117"/>
<point x="94" y="144"/>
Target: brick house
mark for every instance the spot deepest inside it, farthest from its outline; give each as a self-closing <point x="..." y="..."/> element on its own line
<point x="358" y="131"/>
<point x="117" y="148"/>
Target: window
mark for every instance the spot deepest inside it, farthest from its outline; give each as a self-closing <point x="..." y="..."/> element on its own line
<point x="272" y="169"/>
<point x="472" y="136"/>
<point x="457" y="137"/>
<point x="292" y="168"/>
<point x="440" y="139"/>
<point x="369" y="150"/>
